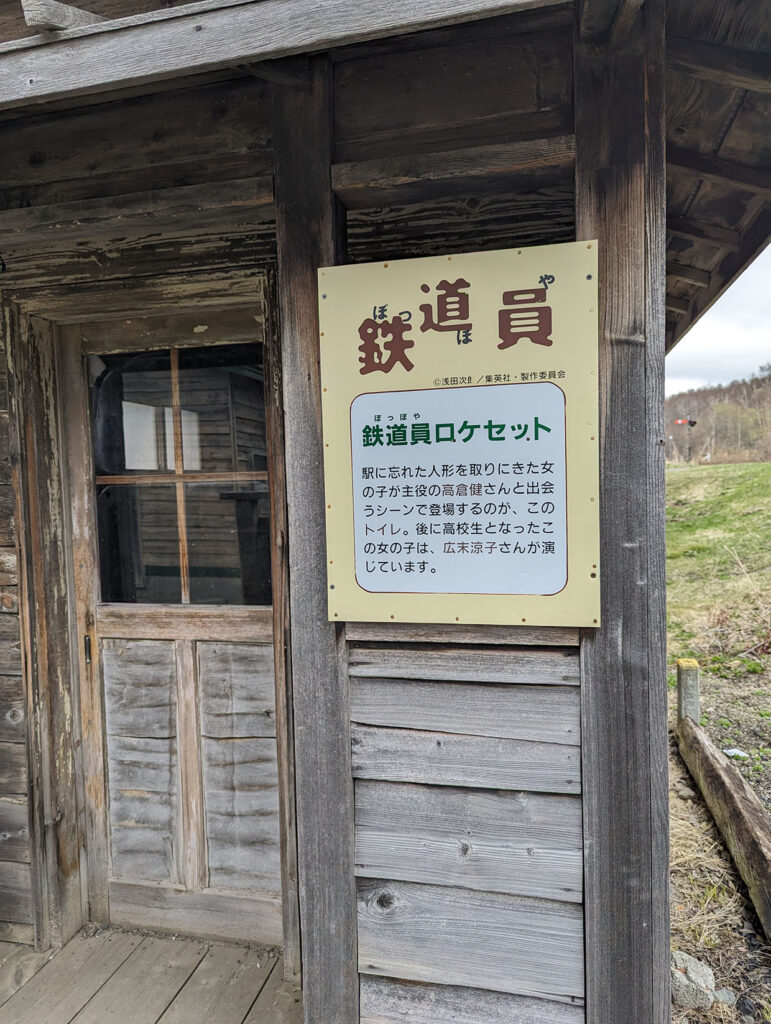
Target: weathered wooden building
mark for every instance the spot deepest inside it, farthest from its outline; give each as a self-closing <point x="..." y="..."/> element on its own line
<point x="436" y="823"/>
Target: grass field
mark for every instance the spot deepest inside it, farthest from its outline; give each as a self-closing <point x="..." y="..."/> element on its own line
<point x="719" y="601"/>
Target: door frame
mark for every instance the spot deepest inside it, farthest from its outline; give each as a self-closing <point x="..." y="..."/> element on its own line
<point x="63" y="690"/>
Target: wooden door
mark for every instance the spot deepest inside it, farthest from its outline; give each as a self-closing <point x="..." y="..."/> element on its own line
<point x="171" y="497"/>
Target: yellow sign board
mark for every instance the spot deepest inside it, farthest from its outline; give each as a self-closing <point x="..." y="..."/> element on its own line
<point x="459" y="408"/>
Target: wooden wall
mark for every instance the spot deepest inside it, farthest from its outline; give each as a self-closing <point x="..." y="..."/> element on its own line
<point x="468" y="837"/>
<point x="16" y="912"/>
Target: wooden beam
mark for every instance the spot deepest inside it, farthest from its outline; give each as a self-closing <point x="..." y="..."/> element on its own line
<point x="519" y="166"/>
<point x="677" y="305"/>
<point x="211" y="35"/>
<point x="289" y="71"/>
<point x="624" y="20"/>
<point x="691" y="275"/>
<point x="737" y="810"/>
<point x="722" y="172"/>
<point x="309" y="236"/>
<point x="52" y="16"/>
<point x="713" y="234"/>
<point x="726" y="65"/>
<point x="161" y="211"/>
<point x="620" y="200"/>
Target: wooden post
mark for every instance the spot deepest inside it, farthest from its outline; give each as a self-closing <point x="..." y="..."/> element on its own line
<point x="620" y="199"/>
<point x="308" y="237"/>
<point x="688" y="689"/>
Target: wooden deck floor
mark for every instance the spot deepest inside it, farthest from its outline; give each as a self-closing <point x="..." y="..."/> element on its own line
<point x="143" y="979"/>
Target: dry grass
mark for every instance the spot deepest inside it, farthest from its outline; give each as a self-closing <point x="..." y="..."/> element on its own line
<point x="709" y="912"/>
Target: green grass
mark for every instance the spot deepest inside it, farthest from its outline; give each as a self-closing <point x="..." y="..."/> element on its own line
<point x="719" y="565"/>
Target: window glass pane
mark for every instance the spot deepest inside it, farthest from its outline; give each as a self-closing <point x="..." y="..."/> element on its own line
<point x="228" y="533"/>
<point x="223" y="409"/>
<point x="131" y="420"/>
<point x="138" y="543"/>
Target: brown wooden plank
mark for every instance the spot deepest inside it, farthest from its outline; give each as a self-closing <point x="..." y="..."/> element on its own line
<point x="69" y="978"/>
<point x="723" y="172"/>
<point x="444" y="759"/>
<point x="282" y="640"/>
<point x="620" y="201"/>
<point x="245" y="917"/>
<point x="713" y="234"/>
<point x="145" y="983"/>
<point x="525" y="844"/>
<point x="280" y="1002"/>
<point x="45" y="578"/>
<point x="10" y="645"/>
<point x="726" y="65"/>
<point x="207" y="327"/>
<point x="518" y="166"/>
<point x="548" y="668"/>
<point x="388" y="1001"/>
<point x="307" y="233"/>
<point x="8" y="571"/>
<point x="549" y="713"/>
<point x="13" y="721"/>
<point x="691" y="275"/>
<point x="195" y="622"/>
<point x="191" y="823"/>
<point x="9" y="600"/>
<point x="453" y="88"/>
<point x="737" y="810"/>
<point x="418" y="633"/>
<point x="222" y="988"/>
<point x="488" y="940"/>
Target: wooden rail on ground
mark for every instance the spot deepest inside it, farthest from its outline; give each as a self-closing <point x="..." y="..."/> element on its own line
<point x="742" y="819"/>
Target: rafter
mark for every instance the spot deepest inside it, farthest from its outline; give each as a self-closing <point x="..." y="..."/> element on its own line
<point x="52" y="15"/>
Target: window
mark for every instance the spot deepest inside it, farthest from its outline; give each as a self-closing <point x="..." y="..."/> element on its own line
<point x="180" y="455"/>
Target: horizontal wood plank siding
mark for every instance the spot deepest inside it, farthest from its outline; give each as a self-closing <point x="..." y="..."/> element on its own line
<point x="385" y="1001"/>
<point x="463" y="937"/>
<point x="468" y="827"/>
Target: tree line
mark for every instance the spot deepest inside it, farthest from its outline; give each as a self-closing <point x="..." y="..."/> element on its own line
<point x="731" y="422"/>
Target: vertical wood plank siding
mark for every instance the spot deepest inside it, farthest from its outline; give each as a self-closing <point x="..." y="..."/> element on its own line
<point x="308" y="237"/>
<point x="620" y="201"/>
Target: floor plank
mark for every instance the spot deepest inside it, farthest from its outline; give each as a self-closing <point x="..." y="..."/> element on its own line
<point x="145" y="985"/>
<point x="278" y="1003"/>
<point x="222" y="988"/>
<point x="17" y="965"/>
<point x="69" y="978"/>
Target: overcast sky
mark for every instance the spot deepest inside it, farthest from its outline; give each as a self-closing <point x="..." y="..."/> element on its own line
<point x="732" y="339"/>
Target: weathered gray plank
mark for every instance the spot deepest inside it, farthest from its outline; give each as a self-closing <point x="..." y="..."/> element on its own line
<point x="550" y="714"/>
<point x="620" y="201"/>
<point x="15" y="892"/>
<point x="387" y="1001"/>
<point x="483" y="940"/>
<point x="524" y="844"/>
<point x="418" y="633"/>
<point x="242" y="828"/>
<point x="245" y="917"/>
<point x="14" y="829"/>
<point x="10" y="645"/>
<point x="8" y="570"/>
<point x="140" y="710"/>
<point x="164" y="47"/>
<point x="405" y="755"/>
<point x="13" y="769"/>
<point x="69" y="978"/>
<point x="237" y="692"/>
<point x="223" y="987"/>
<point x="307" y="237"/>
<point x="280" y="1002"/>
<point x="50" y="14"/>
<point x="555" y="667"/>
<point x="144" y="984"/>
<point x="17" y="965"/>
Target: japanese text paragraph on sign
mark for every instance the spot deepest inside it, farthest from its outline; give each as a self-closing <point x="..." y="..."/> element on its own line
<point x="459" y="401"/>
